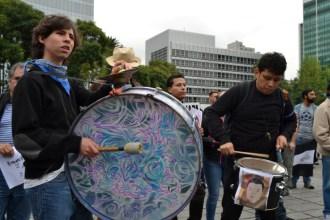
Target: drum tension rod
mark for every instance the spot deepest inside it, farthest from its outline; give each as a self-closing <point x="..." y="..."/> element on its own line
<point x="131" y="148"/>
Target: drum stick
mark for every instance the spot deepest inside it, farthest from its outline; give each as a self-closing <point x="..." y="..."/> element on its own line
<point x="131" y="148"/>
<point x="252" y="154"/>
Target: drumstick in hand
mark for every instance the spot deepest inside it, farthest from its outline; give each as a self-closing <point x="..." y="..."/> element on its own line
<point x="131" y="148"/>
<point x="252" y="154"/>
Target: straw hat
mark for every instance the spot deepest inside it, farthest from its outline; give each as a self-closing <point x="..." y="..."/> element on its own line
<point x="126" y="54"/>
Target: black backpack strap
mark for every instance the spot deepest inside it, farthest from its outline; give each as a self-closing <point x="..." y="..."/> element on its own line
<point x="244" y="93"/>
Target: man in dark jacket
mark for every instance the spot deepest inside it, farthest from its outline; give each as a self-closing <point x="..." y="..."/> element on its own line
<point x="257" y="122"/>
<point x="213" y="168"/>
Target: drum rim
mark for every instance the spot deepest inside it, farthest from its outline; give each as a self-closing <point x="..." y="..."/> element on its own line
<point x="84" y="111"/>
<point x="265" y="160"/>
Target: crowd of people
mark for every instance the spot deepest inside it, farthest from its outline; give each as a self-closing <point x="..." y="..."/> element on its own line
<point x="252" y="118"/>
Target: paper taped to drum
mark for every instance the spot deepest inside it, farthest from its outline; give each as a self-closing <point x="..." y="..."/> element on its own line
<point x="253" y="188"/>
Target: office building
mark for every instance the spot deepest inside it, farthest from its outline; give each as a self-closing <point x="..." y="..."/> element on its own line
<point x="315" y="31"/>
<point x="204" y="66"/>
<point x="74" y="9"/>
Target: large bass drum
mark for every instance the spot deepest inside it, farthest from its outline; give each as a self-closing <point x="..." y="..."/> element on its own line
<point x="155" y="184"/>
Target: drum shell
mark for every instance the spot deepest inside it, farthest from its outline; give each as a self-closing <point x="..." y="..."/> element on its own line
<point x="274" y="193"/>
<point x="140" y="97"/>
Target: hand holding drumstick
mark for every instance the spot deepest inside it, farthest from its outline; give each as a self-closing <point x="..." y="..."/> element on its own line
<point x="228" y="149"/>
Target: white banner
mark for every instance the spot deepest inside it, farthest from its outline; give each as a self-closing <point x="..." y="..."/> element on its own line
<point x="306" y="157"/>
<point x="13" y="169"/>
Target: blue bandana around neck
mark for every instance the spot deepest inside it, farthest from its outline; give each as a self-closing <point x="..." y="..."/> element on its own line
<point x="47" y="67"/>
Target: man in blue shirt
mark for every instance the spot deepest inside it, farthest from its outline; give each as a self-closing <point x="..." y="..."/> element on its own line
<point x="305" y="144"/>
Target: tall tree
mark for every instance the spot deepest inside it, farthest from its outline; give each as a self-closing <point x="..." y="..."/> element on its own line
<point x="311" y="76"/>
<point x="17" y="20"/>
<point x="88" y="60"/>
<point x="156" y="74"/>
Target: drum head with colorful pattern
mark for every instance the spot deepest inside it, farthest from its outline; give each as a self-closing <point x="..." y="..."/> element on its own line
<point x="155" y="184"/>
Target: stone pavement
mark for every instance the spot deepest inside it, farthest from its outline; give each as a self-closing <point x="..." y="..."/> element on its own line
<point x="300" y="204"/>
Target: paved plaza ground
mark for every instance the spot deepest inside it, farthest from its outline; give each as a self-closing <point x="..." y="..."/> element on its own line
<point x="300" y="204"/>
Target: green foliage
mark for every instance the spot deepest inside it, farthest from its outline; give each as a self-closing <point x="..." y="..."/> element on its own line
<point x="292" y="87"/>
<point x="88" y="60"/>
<point x="17" y="20"/>
<point x="156" y="74"/>
<point x="310" y="76"/>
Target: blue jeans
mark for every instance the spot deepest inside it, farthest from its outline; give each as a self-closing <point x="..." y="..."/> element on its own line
<point x="13" y="202"/>
<point x="307" y="180"/>
<point x="213" y="177"/>
<point x="326" y="184"/>
<point x="52" y="200"/>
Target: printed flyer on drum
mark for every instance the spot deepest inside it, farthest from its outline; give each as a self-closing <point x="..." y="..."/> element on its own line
<point x="253" y="188"/>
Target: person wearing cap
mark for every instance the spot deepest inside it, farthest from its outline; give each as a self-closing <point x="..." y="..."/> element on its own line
<point x="321" y="131"/>
<point x="123" y="58"/>
<point x="45" y="104"/>
<point x="123" y="64"/>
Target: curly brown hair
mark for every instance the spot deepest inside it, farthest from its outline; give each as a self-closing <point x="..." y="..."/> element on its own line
<point x="48" y="25"/>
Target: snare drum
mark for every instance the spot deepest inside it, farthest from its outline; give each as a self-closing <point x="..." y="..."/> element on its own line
<point x="268" y="175"/>
<point x="155" y="184"/>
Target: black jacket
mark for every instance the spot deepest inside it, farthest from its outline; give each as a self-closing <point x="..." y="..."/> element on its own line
<point x="254" y="124"/>
<point x="210" y="145"/>
<point x="42" y="116"/>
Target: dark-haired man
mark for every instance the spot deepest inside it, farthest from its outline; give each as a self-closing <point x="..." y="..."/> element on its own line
<point x="258" y="122"/>
<point x="305" y="143"/>
<point x="213" y="168"/>
<point x="176" y="86"/>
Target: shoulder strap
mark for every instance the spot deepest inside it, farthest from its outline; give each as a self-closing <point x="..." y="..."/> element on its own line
<point x="243" y="92"/>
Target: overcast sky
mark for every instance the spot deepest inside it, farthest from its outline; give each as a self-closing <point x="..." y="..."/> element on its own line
<point x="266" y="25"/>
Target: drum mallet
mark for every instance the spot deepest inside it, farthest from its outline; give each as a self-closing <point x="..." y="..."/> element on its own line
<point x="131" y="148"/>
<point x="251" y="154"/>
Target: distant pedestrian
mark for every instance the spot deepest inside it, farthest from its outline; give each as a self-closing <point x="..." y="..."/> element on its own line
<point x="288" y="153"/>
<point x="305" y="143"/>
<point x="176" y="86"/>
<point x="212" y="164"/>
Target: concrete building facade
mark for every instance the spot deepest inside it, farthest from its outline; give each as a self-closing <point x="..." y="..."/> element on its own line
<point x="315" y="31"/>
<point x="74" y="9"/>
<point x="204" y="66"/>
